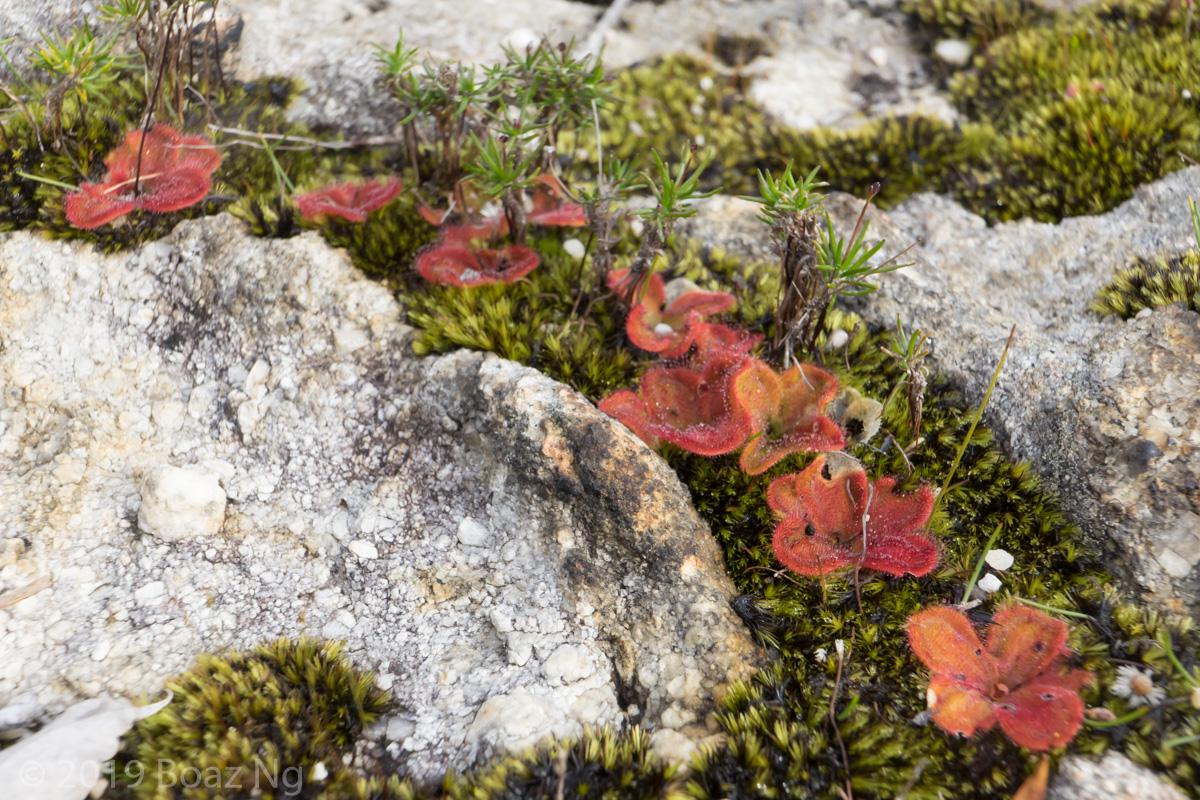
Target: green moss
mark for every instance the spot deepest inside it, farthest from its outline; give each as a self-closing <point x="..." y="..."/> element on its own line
<point x="1063" y="114"/>
<point x="1167" y="738"/>
<point x="904" y="154"/>
<point x="600" y="764"/>
<point x="981" y="21"/>
<point x="1152" y="284"/>
<point x="386" y="244"/>
<point x="261" y="719"/>
<point x="679" y="102"/>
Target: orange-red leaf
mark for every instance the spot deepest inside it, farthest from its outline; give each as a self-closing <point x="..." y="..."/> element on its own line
<point x="945" y="641"/>
<point x="799" y="549"/>
<point x="901" y="554"/>
<point x="627" y="408"/>
<point x="550" y="207"/>
<point x="660" y="323"/>
<point x="1035" y="786"/>
<point x="957" y="708"/>
<point x="455" y="265"/>
<point x="1024" y="641"/>
<point x="175" y="191"/>
<point x="787" y="412"/>
<point x="91" y="207"/>
<point x="1041" y="715"/>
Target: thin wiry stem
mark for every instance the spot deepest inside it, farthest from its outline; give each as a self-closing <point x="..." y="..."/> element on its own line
<point x="987" y="396"/>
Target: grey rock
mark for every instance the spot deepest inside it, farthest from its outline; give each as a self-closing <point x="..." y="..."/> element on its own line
<point x="1113" y="777"/>
<point x="1108" y="411"/>
<point x="585" y="590"/>
<point x="822" y="62"/>
<point x="24" y="22"/>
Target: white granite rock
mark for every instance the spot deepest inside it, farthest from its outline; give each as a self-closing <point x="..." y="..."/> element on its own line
<point x="463" y="523"/>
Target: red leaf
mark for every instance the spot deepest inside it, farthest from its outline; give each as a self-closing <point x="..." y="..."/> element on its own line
<point x="446" y="264"/>
<point x="92" y="207"/>
<point x="787" y="412"/>
<point x="468" y="234"/>
<point x="957" y="708"/>
<point x="1024" y="641"/>
<point x="1033" y="697"/>
<point x="658" y="323"/>
<point x="175" y="173"/>
<point x="691" y="409"/>
<point x="626" y="407"/>
<point x="433" y="217"/>
<point x="802" y="550"/>
<point x="454" y="265"/>
<point x="893" y="514"/>
<point x="946" y="642"/>
<point x="828" y="492"/>
<point x="686" y="406"/>
<point x="713" y="339"/>
<point x="1041" y="715"/>
<point x="550" y="207"/>
<point x="508" y="264"/>
<point x="903" y="554"/>
<point x="175" y="191"/>
<point x="349" y="201"/>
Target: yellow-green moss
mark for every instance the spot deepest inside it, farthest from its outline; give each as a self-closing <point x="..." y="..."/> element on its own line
<point x="600" y="764"/>
<point x="904" y="154"/>
<point x="1152" y="284"/>
<point x="978" y="20"/>
<point x="1065" y="114"/>
<point x="679" y="102"/>
<point x="260" y="720"/>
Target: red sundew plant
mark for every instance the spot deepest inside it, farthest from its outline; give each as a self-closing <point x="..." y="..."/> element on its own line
<point x="688" y="406"/>
<point x="1019" y="679"/>
<point x="550" y="207"/>
<point x="464" y="256"/>
<point x="452" y="264"/>
<point x="833" y="518"/>
<point x="352" y="202"/>
<point x="788" y="413"/>
<point x="665" y="317"/>
<point x="175" y="173"/>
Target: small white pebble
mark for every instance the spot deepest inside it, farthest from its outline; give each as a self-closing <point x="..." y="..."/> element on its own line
<point x="637" y="227"/>
<point x="877" y="55"/>
<point x="522" y="39"/>
<point x="1187" y="94"/>
<point x="574" y="248"/>
<point x="700" y="140"/>
<point x="706" y="83"/>
<point x="837" y="340"/>
<point x="999" y="560"/>
<point x="989" y="583"/>
<point x="955" y="52"/>
<point x="319" y="772"/>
